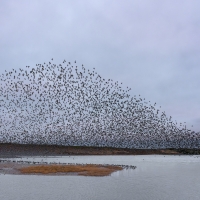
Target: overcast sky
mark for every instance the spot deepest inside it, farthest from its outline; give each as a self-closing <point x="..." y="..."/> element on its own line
<point x="152" y="46"/>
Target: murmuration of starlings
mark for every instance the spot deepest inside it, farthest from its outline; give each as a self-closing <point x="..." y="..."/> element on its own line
<point x="63" y="104"/>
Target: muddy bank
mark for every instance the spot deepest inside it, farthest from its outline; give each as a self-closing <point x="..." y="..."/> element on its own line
<point x="15" y="150"/>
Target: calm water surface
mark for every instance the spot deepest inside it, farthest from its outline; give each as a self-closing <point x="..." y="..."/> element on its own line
<point x="156" y="177"/>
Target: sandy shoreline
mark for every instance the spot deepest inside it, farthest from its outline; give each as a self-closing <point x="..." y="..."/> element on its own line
<point x="23" y="168"/>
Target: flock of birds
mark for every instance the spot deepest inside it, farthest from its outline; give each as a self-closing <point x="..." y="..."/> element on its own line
<point x="69" y="105"/>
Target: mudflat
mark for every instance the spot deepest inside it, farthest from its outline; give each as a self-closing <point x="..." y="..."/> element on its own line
<point x="57" y="169"/>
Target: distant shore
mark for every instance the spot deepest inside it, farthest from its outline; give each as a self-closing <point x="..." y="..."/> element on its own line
<point x="15" y="150"/>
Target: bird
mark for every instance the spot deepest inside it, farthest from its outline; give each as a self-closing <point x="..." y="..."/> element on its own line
<point x="73" y="106"/>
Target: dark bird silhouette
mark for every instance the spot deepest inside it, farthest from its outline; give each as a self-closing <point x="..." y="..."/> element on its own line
<point x="67" y="105"/>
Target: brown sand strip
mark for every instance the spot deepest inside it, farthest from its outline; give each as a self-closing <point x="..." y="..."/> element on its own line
<point x="58" y="169"/>
<point x="83" y="170"/>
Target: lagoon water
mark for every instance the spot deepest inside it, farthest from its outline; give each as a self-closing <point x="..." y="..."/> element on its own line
<point x="156" y="177"/>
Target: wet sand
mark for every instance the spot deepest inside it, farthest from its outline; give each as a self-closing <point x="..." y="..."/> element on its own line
<point x="11" y="167"/>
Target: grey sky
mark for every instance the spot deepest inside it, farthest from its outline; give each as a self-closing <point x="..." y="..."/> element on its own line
<point x="151" y="46"/>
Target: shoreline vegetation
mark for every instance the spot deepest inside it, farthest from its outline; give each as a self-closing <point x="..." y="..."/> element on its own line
<point x="15" y="150"/>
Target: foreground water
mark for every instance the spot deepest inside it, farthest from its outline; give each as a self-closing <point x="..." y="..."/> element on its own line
<point x="156" y="177"/>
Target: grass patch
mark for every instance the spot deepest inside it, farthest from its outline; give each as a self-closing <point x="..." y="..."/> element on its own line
<point x="83" y="170"/>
